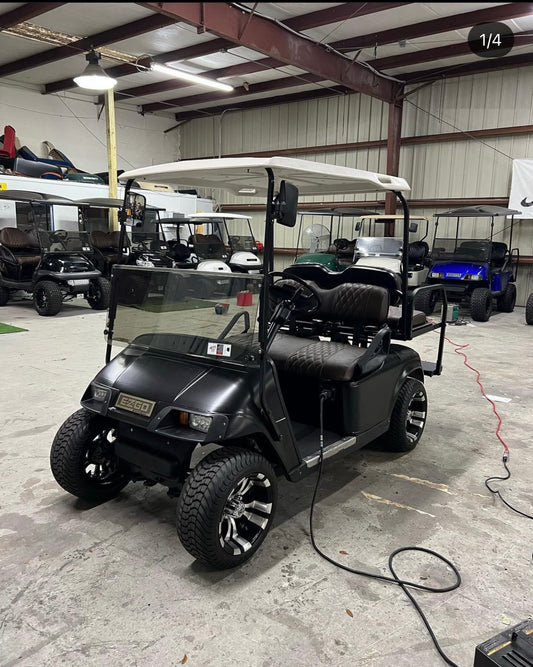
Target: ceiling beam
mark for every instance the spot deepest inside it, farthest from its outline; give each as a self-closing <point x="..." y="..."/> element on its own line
<point x="482" y="65"/>
<point x="276" y="41"/>
<point x="26" y="12"/>
<point x="524" y="38"/>
<point x="127" y="31"/>
<point x="348" y="10"/>
<point x="270" y="101"/>
<point x="255" y="89"/>
<point x="232" y="70"/>
<point x="435" y="26"/>
<point x="195" y="51"/>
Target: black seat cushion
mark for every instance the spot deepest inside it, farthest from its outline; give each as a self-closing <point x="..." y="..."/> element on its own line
<point x="319" y="359"/>
<point x="395" y="314"/>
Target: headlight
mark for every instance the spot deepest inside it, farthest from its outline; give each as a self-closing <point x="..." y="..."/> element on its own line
<point x="100" y="394"/>
<point x="434" y="274"/>
<point x="472" y="277"/>
<point x="200" y="422"/>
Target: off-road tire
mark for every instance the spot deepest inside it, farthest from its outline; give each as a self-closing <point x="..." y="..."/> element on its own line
<point x="529" y="309"/>
<point x="99" y="293"/>
<point x="4" y="295"/>
<point x="507" y="300"/>
<point x="71" y="454"/>
<point x="47" y="298"/>
<point x="408" y="418"/>
<point x="426" y="301"/>
<point x="203" y="501"/>
<point x="481" y="304"/>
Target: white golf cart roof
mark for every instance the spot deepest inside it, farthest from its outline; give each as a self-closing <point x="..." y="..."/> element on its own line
<point x="246" y="175"/>
<point x="218" y="216"/>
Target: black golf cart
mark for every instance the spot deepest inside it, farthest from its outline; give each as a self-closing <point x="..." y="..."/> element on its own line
<point x="474" y="270"/>
<point x="215" y="398"/>
<point x="529" y="309"/>
<point x="52" y="264"/>
<point x="139" y="241"/>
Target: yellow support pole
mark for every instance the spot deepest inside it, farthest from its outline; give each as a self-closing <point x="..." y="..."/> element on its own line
<point x="111" y="154"/>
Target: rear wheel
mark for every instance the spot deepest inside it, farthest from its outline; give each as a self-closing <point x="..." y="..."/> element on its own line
<point x="408" y="417"/>
<point x="83" y="459"/>
<point x="426" y="301"/>
<point x="481" y="304"/>
<point x="226" y="507"/>
<point x="47" y="298"/>
<point x="529" y="309"/>
<point x="507" y="300"/>
<point x="4" y="295"/>
<point x="98" y="294"/>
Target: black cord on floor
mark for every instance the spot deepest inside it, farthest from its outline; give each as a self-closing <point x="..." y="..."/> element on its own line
<point x="404" y="584"/>
<point x="497" y="493"/>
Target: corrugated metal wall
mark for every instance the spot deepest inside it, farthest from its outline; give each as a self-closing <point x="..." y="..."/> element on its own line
<point x="471" y="168"/>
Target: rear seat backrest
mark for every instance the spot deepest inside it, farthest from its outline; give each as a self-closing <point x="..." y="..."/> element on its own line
<point x="353" y="303"/>
<point x="16" y="239"/>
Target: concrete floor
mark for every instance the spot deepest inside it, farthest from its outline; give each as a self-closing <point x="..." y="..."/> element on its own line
<point x="112" y="584"/>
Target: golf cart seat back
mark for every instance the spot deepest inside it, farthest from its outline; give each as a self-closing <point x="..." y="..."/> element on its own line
<point x="498" y="254"/>
<point x="418" y="252"/>
<point x="326" y="279"/>
<point x="474" y="251"/>
<point x="20" y="251"/>
<point x="108" y="243"/>
<point x="350" y="304"/>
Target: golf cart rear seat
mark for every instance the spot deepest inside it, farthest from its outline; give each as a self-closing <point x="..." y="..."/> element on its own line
<point x="389" y="280"/>
<point x="23" y="251"/>
<point x="353" y="305"/>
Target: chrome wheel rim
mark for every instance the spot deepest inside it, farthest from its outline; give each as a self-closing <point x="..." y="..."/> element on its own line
<point x="416" y="416"/>
<point x="246" y="514"/>
<point x="101" y="464"/>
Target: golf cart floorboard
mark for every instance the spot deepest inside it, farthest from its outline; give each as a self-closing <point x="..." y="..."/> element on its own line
<point x="308" y="443"/>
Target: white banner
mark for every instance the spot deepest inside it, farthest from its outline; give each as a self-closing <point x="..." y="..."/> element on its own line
<point x="521" y="197"/>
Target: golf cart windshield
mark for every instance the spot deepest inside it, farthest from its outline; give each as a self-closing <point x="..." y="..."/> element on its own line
<point x="378" y="246"/>
<point x="154" y="310"/>
<point x="64" y="241"/>
<point x="461" y="250"/>
<point x="145" y="235"/>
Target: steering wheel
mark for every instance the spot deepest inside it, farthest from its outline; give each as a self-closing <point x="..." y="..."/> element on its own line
<point x="341" y="244"/>
<point x="142" y="245"/>
<point x="295" y="290"/>
<point x="59" y="234"/>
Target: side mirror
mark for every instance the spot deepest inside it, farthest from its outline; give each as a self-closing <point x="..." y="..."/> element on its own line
<point x="135" y="207"/>
<point x="285" y="204"/>
<point x="413" y="227"/>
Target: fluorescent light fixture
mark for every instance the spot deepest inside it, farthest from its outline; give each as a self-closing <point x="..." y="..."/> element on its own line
<point x="94" y="77"/>
<point x="247" y="191"/>
<point x="192" y="78"/>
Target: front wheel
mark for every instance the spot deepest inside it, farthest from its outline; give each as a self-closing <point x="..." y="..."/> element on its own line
<point x="408" y="417"/>
<point x="481" y="304"/>
<point x="47" y="298"/>
<point x="529" y="309"/>
<point x="226" y="507"/>
<point x="98" y="294"/>
<point x="83" y="459"/>
<point x="507" y="300"/>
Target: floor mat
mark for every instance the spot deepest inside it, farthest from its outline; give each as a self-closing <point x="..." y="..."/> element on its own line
<point x="7" y="328"/>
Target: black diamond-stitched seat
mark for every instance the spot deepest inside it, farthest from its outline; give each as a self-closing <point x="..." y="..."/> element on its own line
<point x="353" y="304"/>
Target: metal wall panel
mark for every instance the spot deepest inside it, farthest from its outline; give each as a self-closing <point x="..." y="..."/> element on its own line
<point x="470" y="168"/>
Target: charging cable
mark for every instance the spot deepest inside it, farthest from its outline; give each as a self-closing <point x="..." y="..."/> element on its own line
<point x="327" y="394"/>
